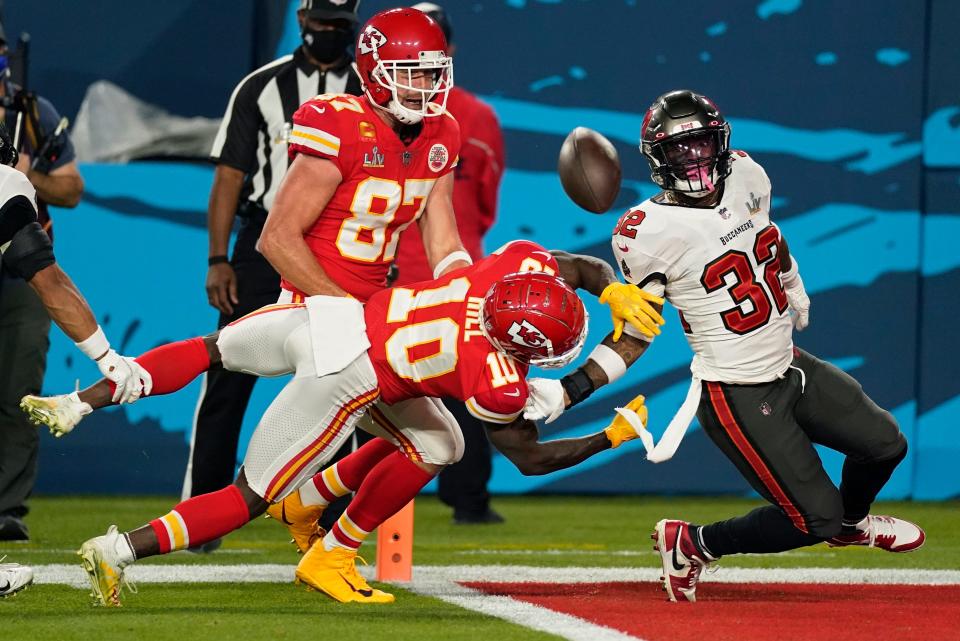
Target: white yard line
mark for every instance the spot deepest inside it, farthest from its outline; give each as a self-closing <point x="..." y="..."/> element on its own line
<point x="430" y="575"/>
<point x="522" y="573"/>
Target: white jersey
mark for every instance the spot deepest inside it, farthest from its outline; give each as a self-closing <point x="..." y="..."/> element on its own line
<point x="720" y="267"/>
<point x="14" y="186"/>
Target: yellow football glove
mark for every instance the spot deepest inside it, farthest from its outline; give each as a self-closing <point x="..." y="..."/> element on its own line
<point x="629" y="303"/>
<point x="620" y="430"/>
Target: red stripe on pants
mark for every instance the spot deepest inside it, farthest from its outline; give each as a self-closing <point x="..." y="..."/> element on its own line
<point x="753" y="459"/>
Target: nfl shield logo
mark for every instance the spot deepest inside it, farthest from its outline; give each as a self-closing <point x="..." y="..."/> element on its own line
<point x="765" y="409"/>
<point x="724" y="213"/>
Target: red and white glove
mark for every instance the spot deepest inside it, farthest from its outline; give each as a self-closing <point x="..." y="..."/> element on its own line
<point x="131" y="380"/>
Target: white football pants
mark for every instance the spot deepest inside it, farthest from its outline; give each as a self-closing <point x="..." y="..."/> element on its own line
<point x="312" y="416"/>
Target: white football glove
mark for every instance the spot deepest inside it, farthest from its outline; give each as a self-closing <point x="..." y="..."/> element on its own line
<point x="545" y="400"/>
<point x="797" y="297"/>
<point x="131" y="379"/>
<point x="800" y="303"/>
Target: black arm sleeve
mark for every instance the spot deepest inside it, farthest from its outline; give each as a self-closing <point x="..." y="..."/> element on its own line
<point x="15" y="214"/>
<point x="29" y="252"/>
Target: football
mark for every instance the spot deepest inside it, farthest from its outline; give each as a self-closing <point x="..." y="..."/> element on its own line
<point x="589" y="169"/>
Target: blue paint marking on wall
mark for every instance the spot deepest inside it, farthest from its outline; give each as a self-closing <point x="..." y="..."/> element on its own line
<point x="891" y="56"/>
<point x="826" y="58"/>
<point x="543" y="83"/>
<point x="777" y="7"/>
<point x="941" y="138"/>
<point x="717" y="29"/>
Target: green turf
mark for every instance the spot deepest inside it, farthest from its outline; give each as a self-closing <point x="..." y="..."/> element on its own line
<point x="547" y="531"/>
<point x="215" y="612"/>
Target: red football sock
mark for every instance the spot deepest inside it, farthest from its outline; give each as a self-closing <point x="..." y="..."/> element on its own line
<point x="201" y="519"/>
<point x="174" y="365"/>
<point x="347" y="474"/>
<point x="390" y="485"/>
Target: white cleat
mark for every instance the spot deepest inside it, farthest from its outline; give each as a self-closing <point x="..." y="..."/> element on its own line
<point x="885" y="532"/>
<point x="682" y="562"/>
<point x="104" y="558"/>
<point x="13" y="578"/>
<point x="60" y="413"/>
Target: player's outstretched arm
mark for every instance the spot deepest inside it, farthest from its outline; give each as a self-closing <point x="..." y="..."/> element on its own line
<point x="303" y="195"/>
<point x="64" y="302"/>
<point x="70" y="311"/>
<point x="549" y="398"/>
<point x="628" y="303"/>
<point x="520" y="442"/>
<point x="584" y="272"/>
<point x="438" y="228"/>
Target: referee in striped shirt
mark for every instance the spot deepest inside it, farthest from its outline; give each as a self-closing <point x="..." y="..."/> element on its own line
<point x="250" y="152"/>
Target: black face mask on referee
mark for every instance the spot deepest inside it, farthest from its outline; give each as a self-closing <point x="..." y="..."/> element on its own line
<point x="326" y="45"/>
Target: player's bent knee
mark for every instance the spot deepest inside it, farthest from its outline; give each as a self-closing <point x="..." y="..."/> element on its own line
<point x="894" y="448"/>
<point x="256" y="504"/>
<point x="450" y="451"/>
<point x="826" y="519"/>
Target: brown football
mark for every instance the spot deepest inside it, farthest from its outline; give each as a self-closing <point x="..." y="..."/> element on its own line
<point x="589" y="170"/>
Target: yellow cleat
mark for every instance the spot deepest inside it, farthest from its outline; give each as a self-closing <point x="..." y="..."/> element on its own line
<point x="335" y="574"/>
<point x="301" y="520"/>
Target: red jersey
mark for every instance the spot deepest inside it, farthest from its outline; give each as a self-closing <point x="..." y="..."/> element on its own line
<point x="426" y="339"/>
<point x="384" y="189"/>
<point x="477" y="181"/>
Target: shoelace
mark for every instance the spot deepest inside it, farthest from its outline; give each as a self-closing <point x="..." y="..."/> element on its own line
<point x="352" y="573"/>
<point x="879" y="526"/>
<point x="122" y="583"/>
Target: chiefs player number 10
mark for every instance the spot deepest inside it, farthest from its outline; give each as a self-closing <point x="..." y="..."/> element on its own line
<point x="426" y="349"/>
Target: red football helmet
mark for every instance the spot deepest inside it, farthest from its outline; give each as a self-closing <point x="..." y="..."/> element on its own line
<point x="536" y="318"/>
<point x="392" y="47"/>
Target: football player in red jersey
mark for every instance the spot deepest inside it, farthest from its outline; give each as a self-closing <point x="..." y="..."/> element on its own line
<point x="469" y="335"/>
<point x="365" y="168"/>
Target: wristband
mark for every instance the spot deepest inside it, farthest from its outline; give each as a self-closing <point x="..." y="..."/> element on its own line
<point x="95" y="345"/>
<point x="578" y="386"/>
<point x="451" y="258"/>
<point x="216" y="260"/>
<point x="609" y="361"/>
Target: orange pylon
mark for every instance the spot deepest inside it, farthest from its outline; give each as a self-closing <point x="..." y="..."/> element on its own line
<point x="395" y="547"/>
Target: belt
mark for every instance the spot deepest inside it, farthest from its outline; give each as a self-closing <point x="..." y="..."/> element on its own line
<point x="252" y="212"/>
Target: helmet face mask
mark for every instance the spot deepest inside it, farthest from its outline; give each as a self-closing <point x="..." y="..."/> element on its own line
<point x="403" y="64"/>
<point x="416" y="91"/>
<point x="686" y="142"/>
<point x="535" y="318"/>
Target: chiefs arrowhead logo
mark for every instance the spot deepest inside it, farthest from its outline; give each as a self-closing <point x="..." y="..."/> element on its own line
<point x="526" y="334"/>
<point x="371" y="39"/>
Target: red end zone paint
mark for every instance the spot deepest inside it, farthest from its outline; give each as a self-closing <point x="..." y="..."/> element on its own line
<point x="753" y="611"/>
